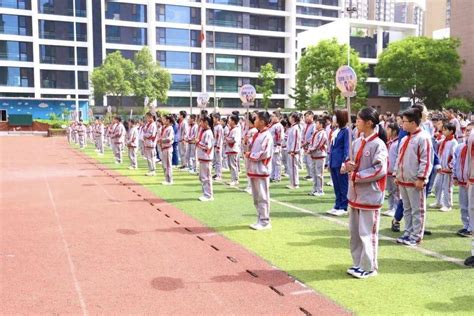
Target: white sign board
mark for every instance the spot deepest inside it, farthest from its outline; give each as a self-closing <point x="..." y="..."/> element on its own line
<point x="346" y="81"/>
<point x="247" y="94"/>
<point x="203" y="100"/>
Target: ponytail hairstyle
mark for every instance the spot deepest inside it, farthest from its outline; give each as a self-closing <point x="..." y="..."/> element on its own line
<point x="170" y="118"/>
<point x="265" y="117"/>
<point x="209" y="121"/>
<point x="369" y="114"/>
<point x="296" y="117"/>
<point x="251" y="118"/>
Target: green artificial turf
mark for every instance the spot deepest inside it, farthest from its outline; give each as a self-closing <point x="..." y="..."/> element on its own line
<point x="316" y="251"/>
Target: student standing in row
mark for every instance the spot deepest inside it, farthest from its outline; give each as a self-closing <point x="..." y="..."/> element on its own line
<point x="118" y="139"/>
<point x="205" y="152"/>
<point x="218" y="146"/>
<point x="251" y="131"/>
<point x="413" y="167"/>
<point x="149" y="143"/>
<point x="368" y="174"/>
<point x="258" y="170"/>
<point x="394" y="195"/>
<point x="293" y="148"/>
<point x="233" y="143"/>
<point x="317" y="152"/>
<point x="190" y="140"/>
<point x="132" y="144"/>
<point x="166" y="143"/>
<point x="182" y="134"/>
<point x="338" y="155"/>
<point x="278" y="134"/>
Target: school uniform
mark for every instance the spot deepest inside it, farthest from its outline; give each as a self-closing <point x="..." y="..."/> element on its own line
<point x="99" y="136"/>
<point x="414" y="162"/>
<point x="118" y="139"/>
<point x="149" y="131"/>
<point x="318" y="151"/>
<point x="339" y="153"/>
<point x="183" y="131"/>
<point x="461" y="175"/>
<point x="366" y="197"/>
<point x="69" y="134"/>
<point x="81" y="134"/>
<point x="132" y="144"/>
<point x="306" y="140"/>
<point x="246" y="148"/>
<point x="392" y="188"/>
<point x="218" y="149"/>
<point x="284" y="153"/>
<point x="293" y="149"/>
<point x="458" y="134"/>
<point x="258" y="171"/>
<point x="166" y="140"/>
<point x="225" y="161"/>
<point x="191" y="146"/>
<point x="141" y="140"/>
<point x="470" y="162"/>
<point x="205" y="153"/>
<point x="444" y="189"/>
<point x="233" y="142"/>
<point x="278" y="134"/>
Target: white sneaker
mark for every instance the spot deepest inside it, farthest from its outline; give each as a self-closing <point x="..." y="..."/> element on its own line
<point x="132" y="168"/>
<point x="218" y="179"/>
<point x="361" y="274"/>
<point x="329" y="184"/>
<point x="233" y="183"/>
<point x="340" y="213"/>
<point x="205" y="199"/>
<point x="259" y="226"/>
<point x="389" y="213"/>
<point x="150" y="174"/>
<point x="166" y="183"/>
<point x="292" y="187"/>
<point x="445" y="209"/>
<point x="331" y="211"/>
<point x="248" y="190"/>
<point x="435" y="205"/>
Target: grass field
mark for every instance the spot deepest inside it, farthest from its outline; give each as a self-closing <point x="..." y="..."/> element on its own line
<point x="315" y="250"/>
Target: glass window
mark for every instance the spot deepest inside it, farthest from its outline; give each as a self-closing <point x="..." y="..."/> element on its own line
<point x="229" y="2"/>
<point x="16" y="4"/>
<point x="57" y="79"/>
<point x="81" y="8"/>
<point x="177" y="14"/>
<point x="125" y="12"/>
<point x="81" y="32"/>
<point x="128" y="54"/>
<point x="177" y="37"/>
<point x="17" y="51"/>
<point x="181" y="83"/>
<point x="56" y="30"/>
<point x="83" y="80"/>
<point x="15" y="24"/>
<point x="226" y="62"/>
<point x="126" y="35"/>
<point x="82" y="56"/>
<point x="57" y="7"/>
<point x="225" y="40"/>
<point x="16" y="77"/>
<point x="59" y="55"/>
<point x="225" y="18"/>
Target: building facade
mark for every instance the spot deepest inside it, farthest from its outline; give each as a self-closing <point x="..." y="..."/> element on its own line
<point x="48" y="48"/>
<point x="409" y="12"/>
<point x="436" y="16"/>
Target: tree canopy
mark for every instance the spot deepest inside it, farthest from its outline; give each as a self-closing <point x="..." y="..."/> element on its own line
<point x="423" y="68"/>
<point x="266" y="78"/>
<point x="316" y="76"/>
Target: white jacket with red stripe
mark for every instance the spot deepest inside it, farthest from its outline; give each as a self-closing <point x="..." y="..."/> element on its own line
<point x="415" y="159"/>
<point x="318" y="147"/>
<point x="367" y="182"/>
<point x="293" y="144"/>
<point x="446" y="151"/>
<point x="205" y="146"/>
<point x="233" y="140"/>
<point x="261" y="153"/>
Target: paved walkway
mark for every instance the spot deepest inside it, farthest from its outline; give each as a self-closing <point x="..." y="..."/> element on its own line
<point x="77" y="238"/>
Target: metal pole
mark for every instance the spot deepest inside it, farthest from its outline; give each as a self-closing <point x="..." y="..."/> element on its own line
<point x="349" y="10"/>
<point x="190" y="74"/>
<point x="76" y="86"/>
<point x="215" y="62"/>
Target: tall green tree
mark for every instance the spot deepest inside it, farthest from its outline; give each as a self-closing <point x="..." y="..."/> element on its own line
<point x="316" y="76"/>
<point x="113" y="77"/>
<point x="421" y="67"/>
<point x="149" y="79"/>
<point x="266" y="78"/>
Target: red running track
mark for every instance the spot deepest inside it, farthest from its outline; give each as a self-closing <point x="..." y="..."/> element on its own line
<point x="77" y="238"/>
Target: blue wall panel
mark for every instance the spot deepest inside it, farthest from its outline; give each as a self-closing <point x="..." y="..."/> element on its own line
<point x="42" y="108"/>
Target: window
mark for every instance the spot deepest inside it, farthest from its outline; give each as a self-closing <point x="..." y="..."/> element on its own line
<point x="57" y="79"/>
<point x="181" y="83"/>
<point x="57" y="7"/>
<point x="16" y="4"/>
<point x="3" y="115"/>
<point x="82" y="56"/>
<point x="125" y="12"/>
<point x="16" y="77"/>
<point x="59" y="55"/>
<point x="177" y="37"/>
<point x="126" y="35"/>
<point x="15" y="24"/>
<point x="83" y="80"/>
<point x="16" y="51"/>
<point x="179" y="60"/>
<point x="56" y="30"/>
<point x="81" y="32"/>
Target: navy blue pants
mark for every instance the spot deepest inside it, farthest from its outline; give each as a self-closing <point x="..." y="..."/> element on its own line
<point x="341" y="186"/>
<point x="399" y="212"/>
<point x="174" y="157"/>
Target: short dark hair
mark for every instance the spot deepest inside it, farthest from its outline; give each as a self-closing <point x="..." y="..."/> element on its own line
<point x="277" y="114"/>
<point x="296" y="116"/>
<point x="234" y="118"/>
<point x="413" y="114"/>
<point x="192" y="116"/>
<point x="450" y="127"/>
<point x="322" y="122"/>
<point x="132" y="121"/>
<point x="251" y="118"/>
<point x="170" y="118"/>
<point x="236" y="113"/>
<point x="264" y="116"/>
<point x="182" y="113"/>
<point x="118" y="118"/>
<point x="209" y="120"/>
<point x="394" y="127"/>
<point x="342" y="118"/>
<point x="216" y="116"/>
<point x="308" y="113"/>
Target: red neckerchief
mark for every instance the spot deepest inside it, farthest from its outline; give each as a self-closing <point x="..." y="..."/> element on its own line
<point x="202" y="133"/>
<point x="314" y="135"/>
<point x="256" y="135"/>
<point x="359" y="153"/>
<point x="443" y="144"/>
<point x="405" y="145"/>
<point x="164" y="130"/>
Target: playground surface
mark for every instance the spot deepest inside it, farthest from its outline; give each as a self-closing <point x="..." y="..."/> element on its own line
<point x="79" y="238"/>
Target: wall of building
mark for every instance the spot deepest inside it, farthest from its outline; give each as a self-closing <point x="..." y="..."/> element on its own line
<point x="43" y="108"/>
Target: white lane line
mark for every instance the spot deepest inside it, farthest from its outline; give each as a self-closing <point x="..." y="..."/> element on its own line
<point x="334" y="220"/>
<point x="72" y="267"/>
<point x="301" y="292"/>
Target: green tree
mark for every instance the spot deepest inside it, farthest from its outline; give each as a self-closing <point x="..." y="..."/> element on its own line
<point x="113" y="77"/>
<point x="149" y="79"/>
<point x="267" y="78"/>
<point x="460" y="104"/>
<point x="316" y="75"/>
<point x="421" y="67"/>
